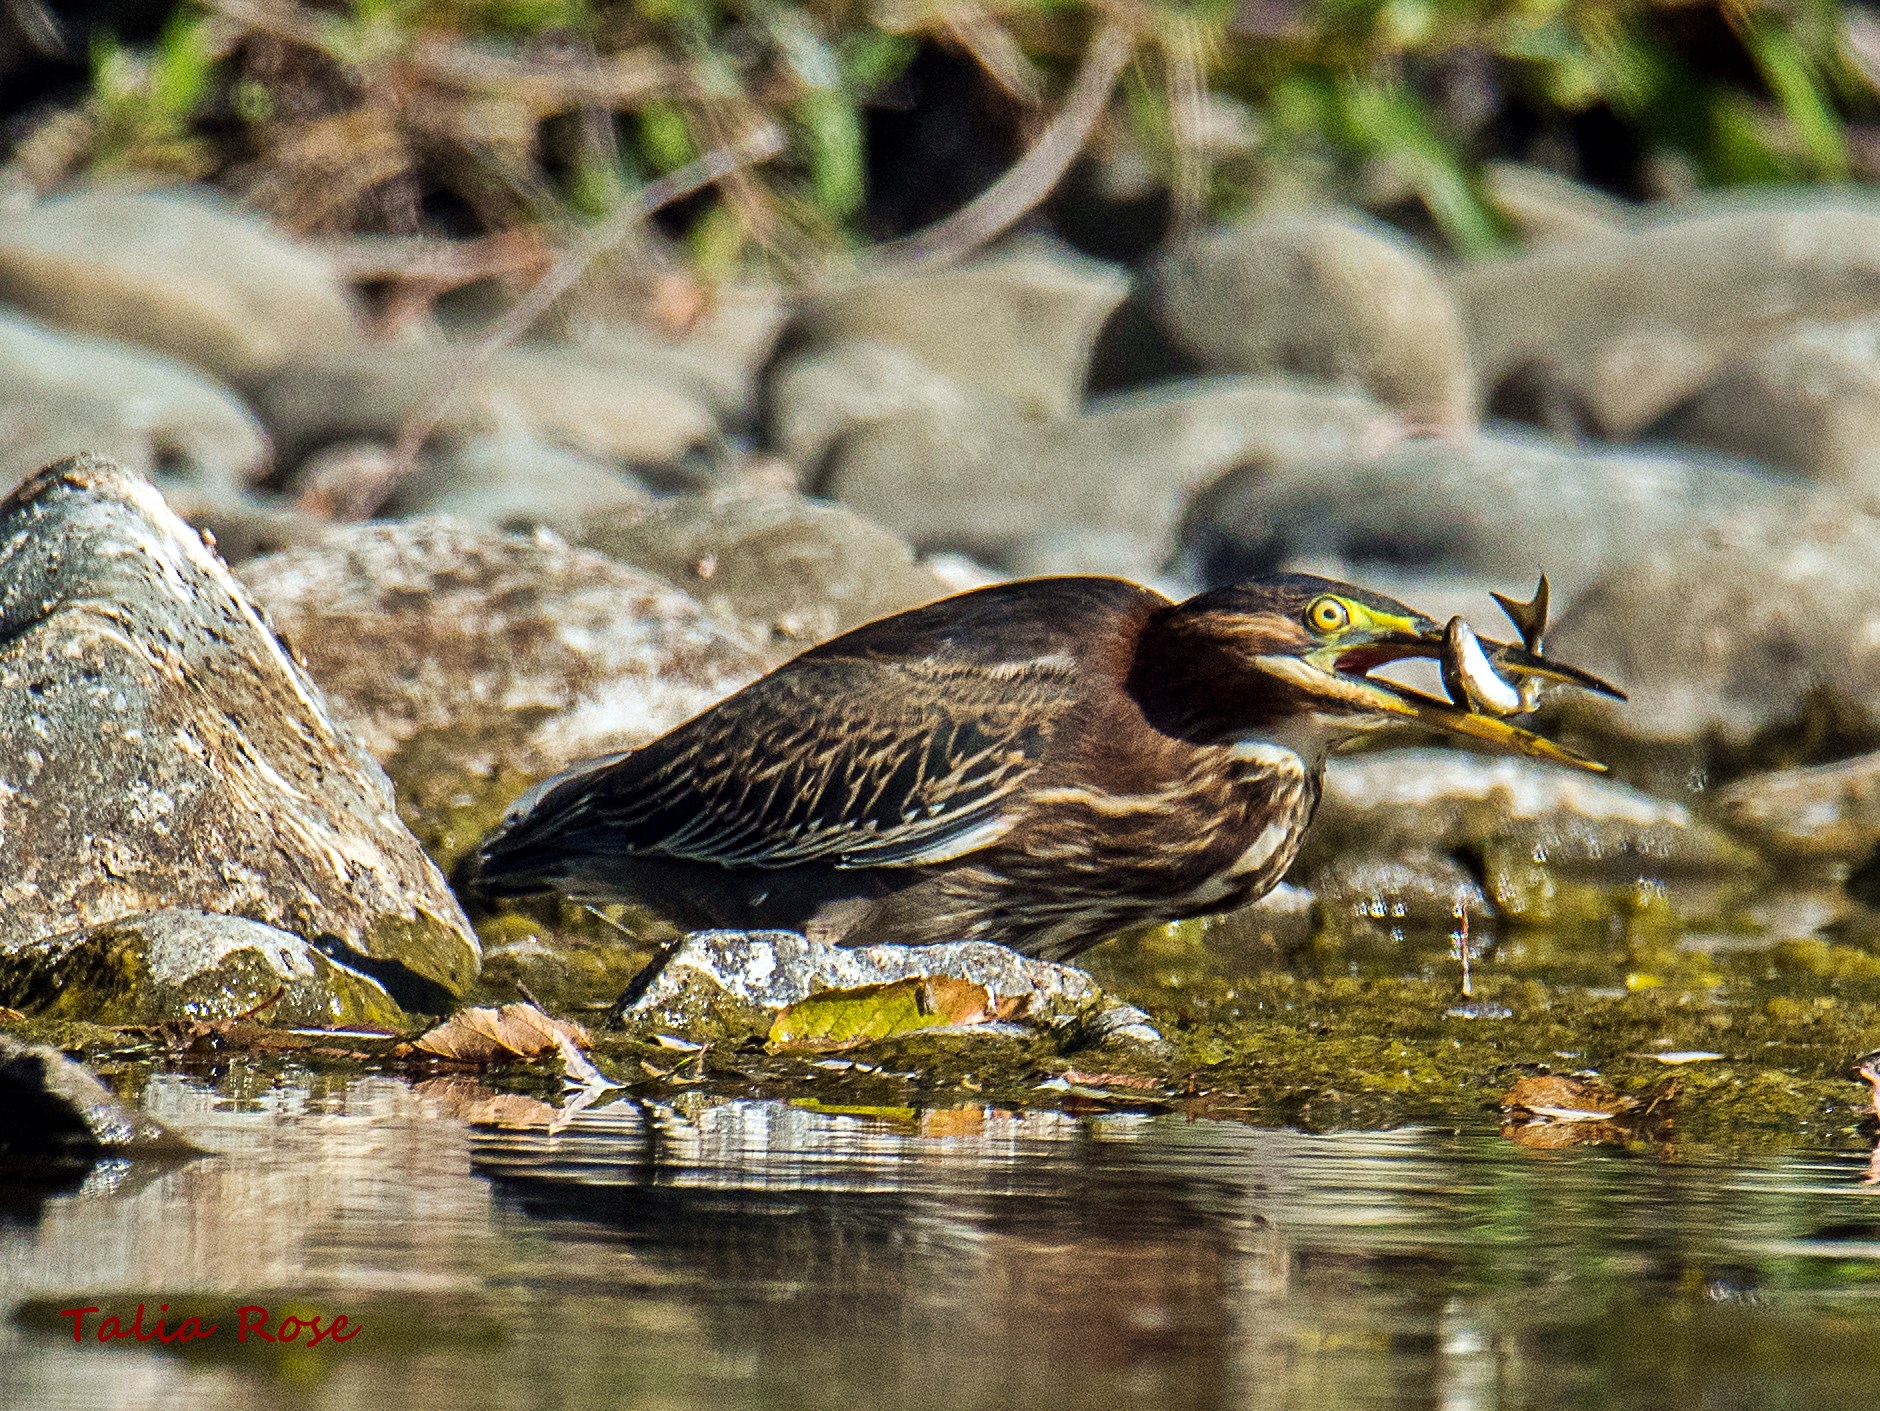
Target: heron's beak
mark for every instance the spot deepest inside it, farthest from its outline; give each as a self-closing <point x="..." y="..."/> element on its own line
<point x="1338" y="673"/>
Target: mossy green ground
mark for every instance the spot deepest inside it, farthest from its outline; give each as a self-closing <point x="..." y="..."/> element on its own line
<point x="1346" y="1026"/>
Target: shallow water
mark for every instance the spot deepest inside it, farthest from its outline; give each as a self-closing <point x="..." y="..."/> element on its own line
<point x="759" y="1254"/>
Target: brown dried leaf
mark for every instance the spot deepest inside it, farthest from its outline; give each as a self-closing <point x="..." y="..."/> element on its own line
<point x="469" y="1101"/>
<point x="499" y="1035"/>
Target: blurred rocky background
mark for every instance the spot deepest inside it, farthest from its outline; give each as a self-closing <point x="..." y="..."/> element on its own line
<point x="546" y="369"/>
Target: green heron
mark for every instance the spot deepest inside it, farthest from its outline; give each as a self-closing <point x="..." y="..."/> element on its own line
<point x="1039" y="763"/>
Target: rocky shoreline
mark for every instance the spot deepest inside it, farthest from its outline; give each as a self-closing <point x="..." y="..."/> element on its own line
<point x="240" y="762"/>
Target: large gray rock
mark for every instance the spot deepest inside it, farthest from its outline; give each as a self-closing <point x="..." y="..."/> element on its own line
<point x="788" y="572"/>
<point x="1808" y="402"/>
<point x="162" y="750"/>
<point x="1414" y="801"/>
<point x="1746" y="625"/>
<point x="472" y="663"/>
<point x="188" y="965"/>
<point x="51" y="1107"/>
<point x="66" y="392"/>
<point x="1500" y="507"/>
<point x="1827" y="811"/>
<point x="986" y="482"/>
<point x="715" y="977"/>
<point x="183" y="272"/>
<point x="1340" y="297"/>
<point x="1624" y="329"/>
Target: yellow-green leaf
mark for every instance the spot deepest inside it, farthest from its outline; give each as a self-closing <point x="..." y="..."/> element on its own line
<point x="839" y="1019"/>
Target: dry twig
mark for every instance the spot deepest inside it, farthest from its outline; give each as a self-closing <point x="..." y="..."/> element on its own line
<point x="1033" y="176"/>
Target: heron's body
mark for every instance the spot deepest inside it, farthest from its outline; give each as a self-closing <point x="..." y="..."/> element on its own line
<point x="1039" y="764"/>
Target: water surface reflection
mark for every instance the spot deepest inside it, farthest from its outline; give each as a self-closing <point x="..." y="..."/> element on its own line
<point x="758" y="1254"/>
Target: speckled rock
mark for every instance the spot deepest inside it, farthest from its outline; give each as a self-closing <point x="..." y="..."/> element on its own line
<point x="1808" y="402"/>
<point x="516" y="483"/>
<point x="164" y="751"/>
<point x="1751" y="624"/>
<point x="1334" y="296"/>
<point x="1827" y="811"/>
<point x="184" y="272"/>
<point x="985" y="482"/>
<point x="66" y="392"/>
<point x="188" y="965"/>
<point x="431" y="624"/>
<point x="787" y="571"/>
<point x="718" y="979"/>
<point x="1625" y="329"/>
<point x="51" y="1107"/>
<point x="472" y="663"/>
<point x="1502" y="507"/>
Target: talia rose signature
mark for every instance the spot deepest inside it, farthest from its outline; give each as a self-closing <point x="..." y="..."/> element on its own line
<point x="251" y="1321"/>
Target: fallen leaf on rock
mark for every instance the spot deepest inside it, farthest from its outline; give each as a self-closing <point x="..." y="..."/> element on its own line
<point x="832" y="1020"/>
<point x="11" y="1016"/>
<point x="469" y="1101"/>
<point x="496" y="1035"/>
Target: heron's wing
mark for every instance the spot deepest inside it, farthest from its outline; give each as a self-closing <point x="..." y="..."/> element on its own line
<point x="898" y="745"/>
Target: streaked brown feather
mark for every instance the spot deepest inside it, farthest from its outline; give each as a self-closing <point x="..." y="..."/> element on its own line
<point x="901" y="744"/>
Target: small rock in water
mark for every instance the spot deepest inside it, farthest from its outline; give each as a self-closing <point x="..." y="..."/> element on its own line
<point x="164" y="751"/>
<point x="189" y="965"/>
<point x="1827" y="811"/>
<point x="51" y="1107"/>
<point x="714" y="980"/>
<point x="1478" y="1009"/>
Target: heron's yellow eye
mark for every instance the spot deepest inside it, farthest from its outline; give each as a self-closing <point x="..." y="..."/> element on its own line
<point x="1327" y="615"/>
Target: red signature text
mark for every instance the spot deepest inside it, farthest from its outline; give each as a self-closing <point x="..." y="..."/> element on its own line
<point x="251" y="1321"/>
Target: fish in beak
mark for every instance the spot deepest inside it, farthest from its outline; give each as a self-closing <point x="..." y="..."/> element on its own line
<point x="1487" y="681"/>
